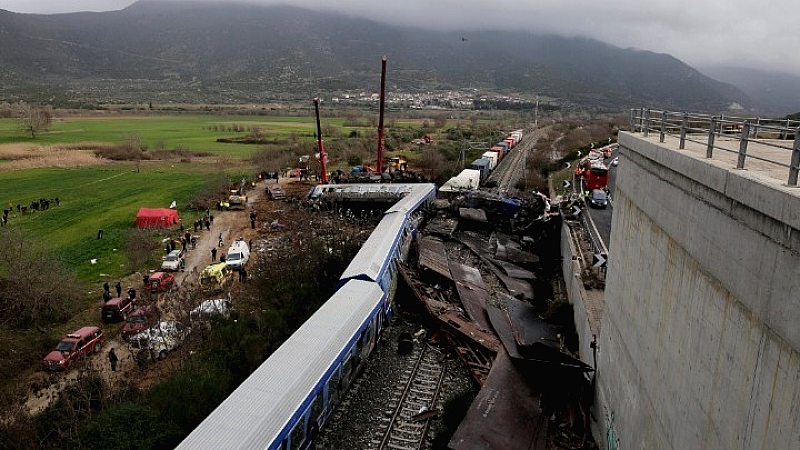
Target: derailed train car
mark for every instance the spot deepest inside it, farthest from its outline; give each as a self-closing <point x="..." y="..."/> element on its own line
<point x="290" y="397"/>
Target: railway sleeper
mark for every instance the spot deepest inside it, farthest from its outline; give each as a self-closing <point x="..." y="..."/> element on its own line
<point x="394" y="437"/>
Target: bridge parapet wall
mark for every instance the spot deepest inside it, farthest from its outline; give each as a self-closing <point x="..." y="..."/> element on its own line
<point x="701" y="327"/>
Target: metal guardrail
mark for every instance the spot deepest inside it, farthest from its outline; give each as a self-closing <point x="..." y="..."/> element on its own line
<point x="704" y="129"/>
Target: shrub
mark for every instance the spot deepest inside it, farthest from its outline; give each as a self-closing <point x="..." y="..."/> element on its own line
<point x="36" y="288"/>
<point x="130" y="425"/>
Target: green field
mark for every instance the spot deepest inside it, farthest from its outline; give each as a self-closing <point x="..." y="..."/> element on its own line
<point x="193" y="132"/>
<point x="92" y="199"/>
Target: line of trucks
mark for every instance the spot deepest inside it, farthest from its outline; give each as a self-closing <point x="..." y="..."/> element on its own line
<point x="480" y="169"/>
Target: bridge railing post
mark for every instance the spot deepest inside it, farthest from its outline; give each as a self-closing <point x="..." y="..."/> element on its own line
<point x="712" y="132"/>
<point x="684" y="126"/>
<point x="785" y="132"/>
<point x="744" y="139"/>
<point x="641" y="120"/>
<point x="663" y="126"/>
<point x="795" y="166"/>
<point x="646" y="122"/>
<point x="631" y="122"/>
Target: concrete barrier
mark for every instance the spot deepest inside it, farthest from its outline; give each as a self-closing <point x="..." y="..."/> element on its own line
<point x="701" y="327"/>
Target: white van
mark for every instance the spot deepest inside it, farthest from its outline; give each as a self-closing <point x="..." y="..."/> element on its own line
<point x="238" y="255"/>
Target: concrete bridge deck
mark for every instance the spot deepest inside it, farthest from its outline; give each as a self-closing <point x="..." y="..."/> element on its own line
<point x="773" y="163"/>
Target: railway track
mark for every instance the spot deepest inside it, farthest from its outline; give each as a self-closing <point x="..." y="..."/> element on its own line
<point x="509" y="172"/>
<point x="417" y="393"/>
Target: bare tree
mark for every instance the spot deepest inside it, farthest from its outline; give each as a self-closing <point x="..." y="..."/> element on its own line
<point x="33" y="119"/>
<point x="273" y="158"/>
<point x="433" y="163"/>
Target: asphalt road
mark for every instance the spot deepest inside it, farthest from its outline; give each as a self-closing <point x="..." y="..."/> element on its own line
<point x="602" y="217"/>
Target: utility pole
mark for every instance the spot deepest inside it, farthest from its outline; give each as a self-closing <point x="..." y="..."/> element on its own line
<point x="380" y="118"/>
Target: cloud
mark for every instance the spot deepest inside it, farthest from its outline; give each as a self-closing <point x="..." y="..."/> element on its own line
<point x="699" y="32"/>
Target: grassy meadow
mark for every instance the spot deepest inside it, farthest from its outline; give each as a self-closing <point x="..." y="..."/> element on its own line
<point x="94" y="198"/>
<point x="197" y="133"/>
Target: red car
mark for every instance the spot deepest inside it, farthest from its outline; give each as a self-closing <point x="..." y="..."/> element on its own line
<point x="140" y="320"/>
<point x="117" y="309"/>
<point x="159" y="281"/>
<point x="74" y="346"/>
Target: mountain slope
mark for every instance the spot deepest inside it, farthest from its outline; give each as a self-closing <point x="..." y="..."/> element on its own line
<point x="254" y="49"/>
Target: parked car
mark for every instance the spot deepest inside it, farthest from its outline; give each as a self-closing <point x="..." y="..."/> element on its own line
<point x="154" y="343"/>
<point x="159" y="281"/>
<point x="140" y="320"/>
<point x="598" y="198"/>
<point x="172" y="262"/>
<point x="117" y="309"/>
<point x="238" y="255"/>
<point x="74" y="346"/>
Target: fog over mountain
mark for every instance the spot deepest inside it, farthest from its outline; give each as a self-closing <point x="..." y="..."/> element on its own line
<point x="236" y="52"/>
<point x="773" y="93"/>
<point x="701" y="33"/>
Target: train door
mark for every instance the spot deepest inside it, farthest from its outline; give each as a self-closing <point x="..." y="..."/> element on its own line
<point x="315" y="417"/>
<point x="298" y="434"/>
<point x="334" y="390"/>
<point x="347" y="370"/>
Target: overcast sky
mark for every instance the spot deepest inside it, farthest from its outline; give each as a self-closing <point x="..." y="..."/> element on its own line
<point x="744" y="33"/>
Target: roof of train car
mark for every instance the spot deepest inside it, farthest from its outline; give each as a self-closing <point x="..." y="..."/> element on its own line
<point x="416" y="197"/>
<point x="375" y="253"/>
<point x="258" y="410"/>
<point x="357" y="188"/>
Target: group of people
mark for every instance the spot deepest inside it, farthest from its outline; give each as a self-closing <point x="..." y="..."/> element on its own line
<point x="118" y="288"/>
<point x="35" y="205"/>
<point x="204" y="222"/>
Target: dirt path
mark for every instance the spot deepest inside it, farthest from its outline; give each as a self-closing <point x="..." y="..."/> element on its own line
<point x="45" y="387"/>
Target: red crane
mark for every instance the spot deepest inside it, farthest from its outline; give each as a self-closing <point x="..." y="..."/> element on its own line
<point x="319" y="144"/>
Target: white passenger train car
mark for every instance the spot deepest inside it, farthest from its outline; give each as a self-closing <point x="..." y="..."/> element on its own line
<point x="285" y="402"/>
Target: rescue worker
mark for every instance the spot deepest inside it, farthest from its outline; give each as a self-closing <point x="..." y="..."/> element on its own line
<point x="118" y="287"/>
<point x="213" y="254"/>
<point x="112" y="358"/>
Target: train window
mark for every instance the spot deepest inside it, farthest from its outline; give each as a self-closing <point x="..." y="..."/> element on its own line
<point x="298" y="434"/>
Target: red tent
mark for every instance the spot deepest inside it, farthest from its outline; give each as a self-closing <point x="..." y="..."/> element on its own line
<point x="156" y="217"/>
